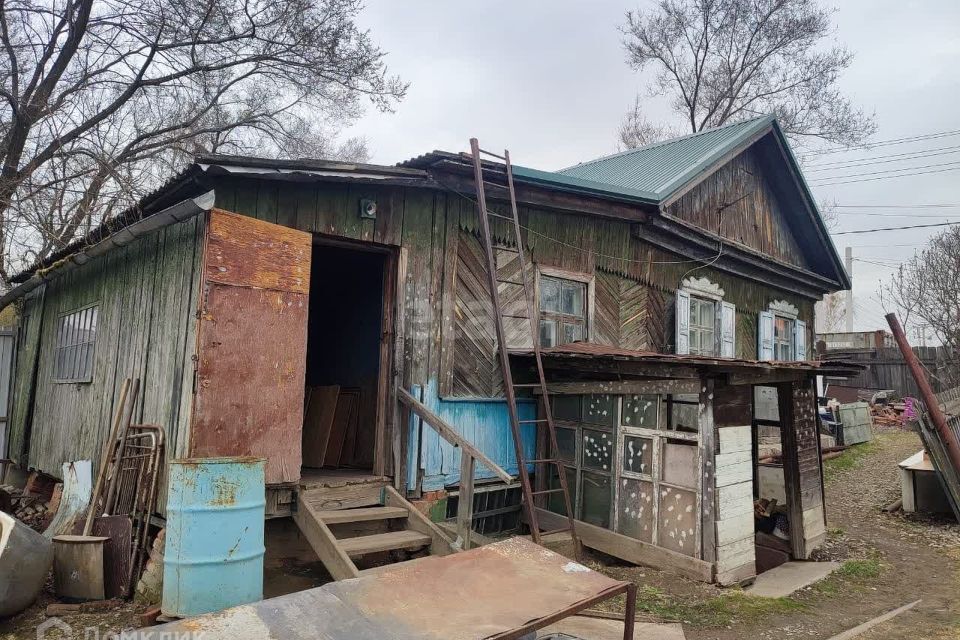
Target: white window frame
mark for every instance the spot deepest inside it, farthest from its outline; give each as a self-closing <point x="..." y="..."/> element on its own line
<point x="589" y="300"/>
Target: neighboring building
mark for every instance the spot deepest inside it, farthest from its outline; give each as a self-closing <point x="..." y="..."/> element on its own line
<point x="877" y="339"/>
<point x="243" y="282"/>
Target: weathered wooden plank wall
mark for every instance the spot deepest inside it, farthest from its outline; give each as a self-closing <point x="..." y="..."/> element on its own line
<point x="751" y="213"/>
<point x="146" y="293"/>
<point x="886" y="368"/>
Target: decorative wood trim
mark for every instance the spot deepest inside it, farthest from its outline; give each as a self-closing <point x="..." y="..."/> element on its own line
<point x="785" y="309"/>
<point x="702" y="287"/>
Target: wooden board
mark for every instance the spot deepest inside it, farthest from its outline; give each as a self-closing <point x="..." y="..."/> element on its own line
<point x="116" y="554"/>
<point x="321" y="407"/>
<point x="249" y="391"/>
<point x="247" y="252"/>
<point x="631" y="550"/>
<point x="344" y="421"/>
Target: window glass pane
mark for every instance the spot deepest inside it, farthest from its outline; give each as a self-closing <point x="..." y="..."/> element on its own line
<point x="640" y="411"/>
<point x="555" y="501"/>
<point x="76" y="339"/>
<point x="567" y="444"/>
<point x="566" y="408"/>
<point x="635" y="517"/>
<point x="549" y="294"/>
<point x="572" y="298"/>
<point x="548" y="333"/>
<point x="677" y="520"/>
<point x="599" y="409"/>
<point x="597" y="449"/>
<point x="765" y="403"/>
<point x="595" y="499"/>
<point x="679" y="464"/>
<point x="572" y="333"/>
<point x="637" y="455"/>
<point x="685" y="413"/>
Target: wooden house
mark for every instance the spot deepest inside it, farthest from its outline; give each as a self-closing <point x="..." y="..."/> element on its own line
<point x="279" y="308"/>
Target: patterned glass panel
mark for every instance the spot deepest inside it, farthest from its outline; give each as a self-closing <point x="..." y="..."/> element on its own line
<point x="635" y="509"/>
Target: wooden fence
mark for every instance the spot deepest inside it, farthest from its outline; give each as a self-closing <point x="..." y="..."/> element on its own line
<point x="886" y="368"/>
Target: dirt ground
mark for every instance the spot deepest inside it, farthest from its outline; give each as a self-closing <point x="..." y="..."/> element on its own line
<point x="889" y="561"/>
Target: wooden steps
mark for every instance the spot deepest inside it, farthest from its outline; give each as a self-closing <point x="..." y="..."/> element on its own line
<point x="384" y="542"/>
<point x="363" y="514"/>
<point x="345" y="528"/>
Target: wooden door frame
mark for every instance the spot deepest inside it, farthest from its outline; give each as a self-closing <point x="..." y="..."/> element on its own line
<point x="385" y="459"/>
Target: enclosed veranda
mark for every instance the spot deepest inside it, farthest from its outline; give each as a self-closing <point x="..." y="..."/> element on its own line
<point x="661" y="455"/>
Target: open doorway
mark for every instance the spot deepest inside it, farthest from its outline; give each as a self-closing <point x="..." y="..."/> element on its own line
<point x="345" y="359"/>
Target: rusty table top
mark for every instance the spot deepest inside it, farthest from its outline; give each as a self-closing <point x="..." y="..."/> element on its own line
<point x="488" y="592"/>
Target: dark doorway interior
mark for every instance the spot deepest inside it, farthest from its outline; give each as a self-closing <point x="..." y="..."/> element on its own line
<point x="343" y="357"/>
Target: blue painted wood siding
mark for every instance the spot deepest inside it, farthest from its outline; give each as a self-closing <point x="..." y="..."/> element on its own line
<point x="485" y="423"/>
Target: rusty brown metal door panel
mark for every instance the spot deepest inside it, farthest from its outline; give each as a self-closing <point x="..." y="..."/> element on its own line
<point x="251" y="343"/>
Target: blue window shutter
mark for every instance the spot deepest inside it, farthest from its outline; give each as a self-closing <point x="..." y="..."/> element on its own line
<point x="800" y="340"/>
<point x="728" y="330"/>
<point x="765" y="336"/>
<point x="682" y="339"/>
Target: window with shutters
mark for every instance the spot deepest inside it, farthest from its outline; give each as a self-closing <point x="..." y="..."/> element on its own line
<point x="705" y="322"/>
<point x="563" y="310"/>
<point x="781" y="335"/>
<point x="76" y="342"/>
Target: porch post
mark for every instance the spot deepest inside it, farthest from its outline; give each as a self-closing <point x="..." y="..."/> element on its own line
<point x="803" y="481"/>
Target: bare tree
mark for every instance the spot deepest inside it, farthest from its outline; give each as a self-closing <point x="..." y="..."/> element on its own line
<point x="637" y="131"/>
<point x="100" y="100"/>
<point x="721" y="61"/>
<point x="925" y="291"/>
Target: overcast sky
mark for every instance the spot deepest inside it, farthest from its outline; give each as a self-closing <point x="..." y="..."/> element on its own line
<point x="549" y="81"/>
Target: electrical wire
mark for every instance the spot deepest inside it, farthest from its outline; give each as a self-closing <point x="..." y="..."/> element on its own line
<point x="884" y="143"/>
<point x="914" y="226"/>
<point x="887" y="171"/>
<point x="903" y="175"/>
<point x="897" y="206"/>
<point x="886" y="159"/>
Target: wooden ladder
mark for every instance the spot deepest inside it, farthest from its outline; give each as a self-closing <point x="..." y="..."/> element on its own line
<point x="553" y="458"/>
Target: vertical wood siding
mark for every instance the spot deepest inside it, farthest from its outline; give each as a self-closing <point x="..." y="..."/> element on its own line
<point x="751" y="212"/>
<point x="147" y="294"/>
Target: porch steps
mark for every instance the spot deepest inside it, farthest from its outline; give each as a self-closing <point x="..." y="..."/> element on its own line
<point x="384" y="542"/>
<point x="380" y="527"/>
<point x="362" y="514"/>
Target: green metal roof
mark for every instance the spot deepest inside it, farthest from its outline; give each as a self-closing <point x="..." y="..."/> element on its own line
<point x="661" y="168"/>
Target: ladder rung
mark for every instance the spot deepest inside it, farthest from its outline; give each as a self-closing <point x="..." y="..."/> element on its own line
<point x="546" y="491"/>
<point x="533" y="421"/>
<point x="499" y="215"/>
<point x="552" y="531"/>
<point x="510" y="249"/>
<point x="543" y="461"/>
<point x="516" y="282"/>
<point x="491" y="153"/>
<point x="514" y="315"/>
<point x="527" y="384"/>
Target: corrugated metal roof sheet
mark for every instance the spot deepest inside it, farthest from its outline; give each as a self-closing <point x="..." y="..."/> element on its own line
<point x="663" y="167"/>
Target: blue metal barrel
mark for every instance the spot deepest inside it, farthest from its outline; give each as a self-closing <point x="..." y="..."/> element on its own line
<point x="213" y="558"/>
